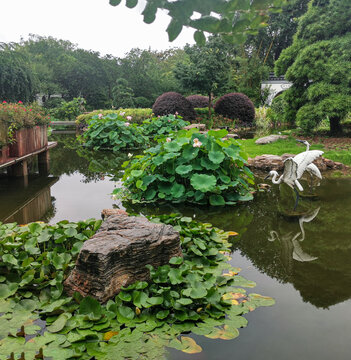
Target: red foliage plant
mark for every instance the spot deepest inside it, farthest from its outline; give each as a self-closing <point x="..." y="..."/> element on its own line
<point x="198" y="101"/>
<point x="236" y="106"/>
<point x="172" y="103"/>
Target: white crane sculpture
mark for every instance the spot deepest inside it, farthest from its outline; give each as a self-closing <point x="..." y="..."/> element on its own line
<point x="294" y="169"/>
<point x="311" y="168"/>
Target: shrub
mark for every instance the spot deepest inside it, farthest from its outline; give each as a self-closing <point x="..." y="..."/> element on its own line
<point x="113" y="132"/>
<point x="198" y="101"/>
<point x="142" y="102"/>
<point x="263" y="118"/>
<point x="236" y="106"/>
<point x="191" y="167"/>
<point x="173" y="103"/>
<point x="138" y="115"/>
<point x="163" y="125"/>
<point x="278" y="108"/>
<point x="69" y="110"/>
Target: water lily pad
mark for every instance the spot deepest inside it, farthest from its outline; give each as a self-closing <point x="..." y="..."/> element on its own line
<point x="183" y="169"/>
<point x="203" y="182"/>
<point x="216" y="156"/>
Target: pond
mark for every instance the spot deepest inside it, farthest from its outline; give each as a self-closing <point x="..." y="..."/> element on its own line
<point x="302" y="260"/>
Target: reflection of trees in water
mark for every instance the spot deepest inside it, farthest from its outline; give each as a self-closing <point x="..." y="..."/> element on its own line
<point x="319" y="267"/>
<point x="70" y="157"/>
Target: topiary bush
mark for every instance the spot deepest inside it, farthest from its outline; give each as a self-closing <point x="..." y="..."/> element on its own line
<point x="114" y="133"/>
<point x="236" y="106"/>
<point x="173" y="103"/>
<point x="198" y="101"/>
<point x="191" y="167"/>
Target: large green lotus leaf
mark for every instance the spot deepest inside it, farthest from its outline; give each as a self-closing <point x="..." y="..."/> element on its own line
<point x="150" y="194"/>
<point x="224" y="178"/>
<point x="217" y="200"/>
<point x="7" y="290"/>
<point x="218" y="134"/>
<point x="216" y="156"/>
<point x="147" y="180"/>
<point x="170" y="155"/>
<point x="177" y="190"/>
<point x="171" y="146"/>
<point x="136" y="173"/>
<point x="158" y="160"/>
<point x="183" y="169"/>
<point x="190" y="152"/>
<point x="90" y="307"/>
<point x="203" y="182"/>
<point x="209" y="165"/>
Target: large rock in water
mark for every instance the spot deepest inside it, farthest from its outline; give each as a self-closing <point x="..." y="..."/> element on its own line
<point x="117" y="254"/>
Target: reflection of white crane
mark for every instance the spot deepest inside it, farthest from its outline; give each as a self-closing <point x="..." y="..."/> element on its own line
<point x="297" y="253"/>
<point x="294" y="169"/>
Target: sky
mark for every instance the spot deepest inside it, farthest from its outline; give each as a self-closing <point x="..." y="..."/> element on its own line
<point x="91" y="24"/>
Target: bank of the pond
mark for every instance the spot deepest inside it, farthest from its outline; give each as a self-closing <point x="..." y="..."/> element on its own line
<point x="307" y="272"/>
<point x="336" y="149"/>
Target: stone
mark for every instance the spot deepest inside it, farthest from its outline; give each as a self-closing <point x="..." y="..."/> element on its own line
<point x="270" y="139"/>
<point x="117" y="254"/>
<point x="196" y="126"/>
<point x="109" y="212"/>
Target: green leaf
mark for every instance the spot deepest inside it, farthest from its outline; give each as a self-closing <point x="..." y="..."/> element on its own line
<point x="183" y="169"/>
<point x="176" y="260"/>
<point x="216" y="156"/>
<point x="115" y="2"/>
<point x="34" y="228"/>
<point x="203" y="182"/>
<point x="174" y="29"/>
<point x="71" y="232"/>
<point x="155" y="300"/>
<point x="136" y="173"/>
<point x="199" y="37"/>
<point x="90" y="307"/>
<point x="218" y="134"/>
<point x="177" y="190"/>
<point x="171" y="146"/>
<point x="149" y="13"/>
<point x="10" y="259"/>
<point x="184" y="301"/>
<point x="7" y="290"/>
<point x="190" y="152"/>
<point x="59" y="323"/>
<point x="162" y="314"/>
<point x="217" y="200"/>
<point x="126" y="312"/>
<point x="131" y="3"/>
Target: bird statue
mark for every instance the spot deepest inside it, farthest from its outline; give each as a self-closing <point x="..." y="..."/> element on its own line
<point x="294" y="169"/>
<point x="311" y="168"/>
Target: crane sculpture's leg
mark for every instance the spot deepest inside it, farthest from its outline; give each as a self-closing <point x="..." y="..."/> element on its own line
<point x="297" y="198"/>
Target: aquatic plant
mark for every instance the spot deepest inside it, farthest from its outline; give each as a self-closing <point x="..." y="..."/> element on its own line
<point x="163" y="125"/>
<point x="200" y="293"/>
<point x="113" y="132"/>
<point x="190" y="167"/>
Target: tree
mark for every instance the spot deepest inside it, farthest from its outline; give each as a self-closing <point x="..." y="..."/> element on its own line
<point x="122" y="94"/>
<point x="207" y="68"/>
<point x="318" y="64"/>
<point x="16" y="76"/>
<point x="231" y="18"/>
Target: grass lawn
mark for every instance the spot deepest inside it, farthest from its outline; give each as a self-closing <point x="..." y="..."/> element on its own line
<point x="291" y="146"/>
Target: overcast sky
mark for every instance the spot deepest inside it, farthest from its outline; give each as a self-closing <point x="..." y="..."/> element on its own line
<point x="91" y="24"/>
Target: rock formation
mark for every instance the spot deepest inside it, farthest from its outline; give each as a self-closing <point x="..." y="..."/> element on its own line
<point x="117" y="254"/>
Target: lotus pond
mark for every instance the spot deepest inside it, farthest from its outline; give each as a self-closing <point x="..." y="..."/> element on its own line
<point x="301" y="259"/>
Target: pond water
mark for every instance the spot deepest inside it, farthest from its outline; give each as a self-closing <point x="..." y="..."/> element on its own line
<point x="302" y="259"/>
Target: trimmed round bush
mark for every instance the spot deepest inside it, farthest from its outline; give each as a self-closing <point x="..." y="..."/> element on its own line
<point x="236" y="106"/>
<point x="172" y="103"/>
<point x="198" y="101"/>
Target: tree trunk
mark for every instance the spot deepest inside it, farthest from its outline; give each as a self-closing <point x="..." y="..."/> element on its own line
<point x="209" y="105"/>
<point x="335" y="127"/>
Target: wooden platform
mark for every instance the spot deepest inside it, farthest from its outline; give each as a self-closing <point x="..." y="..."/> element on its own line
<point x="13" y="161"/>
<point x="63" y="123"/>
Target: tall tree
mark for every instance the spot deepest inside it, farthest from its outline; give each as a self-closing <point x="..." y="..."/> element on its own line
<point x="318" y="63"/>
<point x="16" y="76"/>
<point x="206" y="70"/>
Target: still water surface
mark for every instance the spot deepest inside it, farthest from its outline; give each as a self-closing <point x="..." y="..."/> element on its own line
<point x="302" y="260"/>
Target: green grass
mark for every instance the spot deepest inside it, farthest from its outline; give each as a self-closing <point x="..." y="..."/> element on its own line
<point x="291" y="146"/>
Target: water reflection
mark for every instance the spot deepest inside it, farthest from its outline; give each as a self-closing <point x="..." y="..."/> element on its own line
<point x="27" y="202"/>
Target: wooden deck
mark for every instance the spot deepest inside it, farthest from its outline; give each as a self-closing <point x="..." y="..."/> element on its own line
<point x="15" y="160"/>
<point x="63" y="123"/>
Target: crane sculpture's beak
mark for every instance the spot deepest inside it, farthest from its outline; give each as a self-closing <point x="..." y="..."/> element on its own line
<point x="301" y="141"/>
<point x="267" y="177"/>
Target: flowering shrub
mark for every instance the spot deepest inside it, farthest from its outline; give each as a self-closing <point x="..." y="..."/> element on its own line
<point x="163" y="125"/>
<point x="191" y="167"/>
<point x="112" y="132"/>
<point x="15" y="116"/>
